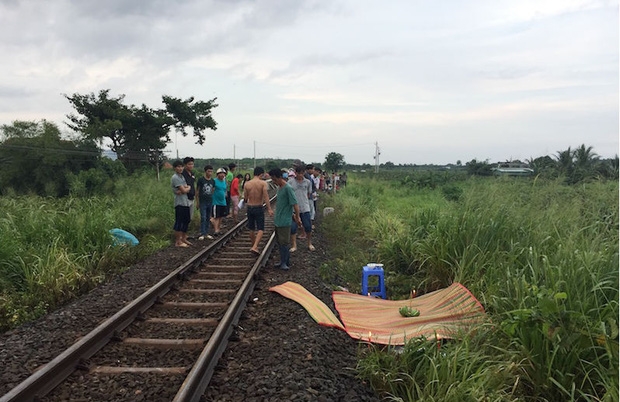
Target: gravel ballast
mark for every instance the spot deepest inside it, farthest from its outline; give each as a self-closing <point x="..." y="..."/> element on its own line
<point x="280" y="352"/>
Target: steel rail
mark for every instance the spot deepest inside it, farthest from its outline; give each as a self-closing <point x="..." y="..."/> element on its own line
<point x="198" y="378"/>
<point x="59" y="368"/>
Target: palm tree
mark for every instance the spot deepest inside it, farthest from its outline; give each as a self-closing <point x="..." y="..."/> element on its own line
<point x="565" y="161"/>
<point x="579" y="164"/>
<point x="585" y="158"/>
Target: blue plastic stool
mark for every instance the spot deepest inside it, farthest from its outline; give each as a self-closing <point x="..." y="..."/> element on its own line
<point x="374" y="291"/>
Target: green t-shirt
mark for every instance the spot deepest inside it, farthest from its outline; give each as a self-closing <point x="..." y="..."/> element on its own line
<point x="284" y="206"/>
<point x="229" y="178"/>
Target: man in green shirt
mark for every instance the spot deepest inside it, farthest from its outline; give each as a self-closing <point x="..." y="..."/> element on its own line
<point x="286" y="205"/>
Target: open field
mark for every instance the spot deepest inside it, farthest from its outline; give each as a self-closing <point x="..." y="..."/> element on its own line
<point x="542" y="257"/>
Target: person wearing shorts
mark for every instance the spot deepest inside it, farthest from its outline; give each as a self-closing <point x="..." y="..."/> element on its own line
<point x="220" y="209"/>
<point x="254" y="195"/>
<point x="181" y="205"/>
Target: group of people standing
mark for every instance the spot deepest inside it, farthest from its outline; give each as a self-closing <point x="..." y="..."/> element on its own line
<point x="332" y="182"/>
<point x="216" y="197"/>
<point x="212" y="196"/>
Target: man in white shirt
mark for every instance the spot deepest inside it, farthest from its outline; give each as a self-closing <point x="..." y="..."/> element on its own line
<point x="303" y="193"/>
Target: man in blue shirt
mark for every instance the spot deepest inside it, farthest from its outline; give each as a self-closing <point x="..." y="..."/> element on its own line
<point x="220" y="209"/>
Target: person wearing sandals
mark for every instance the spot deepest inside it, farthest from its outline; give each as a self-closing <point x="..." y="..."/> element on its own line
<point x="220" y="209"/>
<point x="286" y="205"/>
<point x="303" y="192"/>
<point x="182" y="205"/>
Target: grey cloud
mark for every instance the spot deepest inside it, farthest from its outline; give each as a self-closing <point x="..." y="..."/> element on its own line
<point x="272" y="13"/>
<point x="9" y="3"/>
<point x="112" y="9"/>
<point x="7" y="91"/>
<point x="509" y="73"/>
<point x="158" y="30"/>
<point x="301" y="65"/>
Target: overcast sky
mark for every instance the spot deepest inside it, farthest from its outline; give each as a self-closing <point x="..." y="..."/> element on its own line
<point x="432" y="81"/>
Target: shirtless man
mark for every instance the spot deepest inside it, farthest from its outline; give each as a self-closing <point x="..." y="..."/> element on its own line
<point x="254" y="194"/>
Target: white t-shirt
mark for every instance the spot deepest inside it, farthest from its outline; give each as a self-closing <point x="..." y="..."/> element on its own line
<point x="303" y="190"/>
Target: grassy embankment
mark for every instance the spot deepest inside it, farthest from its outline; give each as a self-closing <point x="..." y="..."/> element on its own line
<point x="542" y="257"/>
<point x="52" y="250"/>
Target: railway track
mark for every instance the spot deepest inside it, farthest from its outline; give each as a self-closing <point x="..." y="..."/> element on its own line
<point x="166" y="343"/>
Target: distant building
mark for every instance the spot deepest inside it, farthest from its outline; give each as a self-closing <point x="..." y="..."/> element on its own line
<point x="512" y="169"/>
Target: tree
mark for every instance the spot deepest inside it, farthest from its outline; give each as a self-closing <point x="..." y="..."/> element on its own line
<point x="565" y="162"/>
<point x="187" y="113"/>
<point x="478" y="168"/>
<point x="271" y="165"/>
<point x="584" y="157"/>
<point x="388" y="165"/>
<point x="542" y="164"/>
<point x="37" y="160"/>
<point x="138" y="133"/>
<point x="334" y="161"/>
<point x="579" y="164"/>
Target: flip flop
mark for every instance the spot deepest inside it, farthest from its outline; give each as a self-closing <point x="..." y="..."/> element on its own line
<point x="311" y="248"/>
<point x="255" y="252"/>
<point x="181" y="245"/>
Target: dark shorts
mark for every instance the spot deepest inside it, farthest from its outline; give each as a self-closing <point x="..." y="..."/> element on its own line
<point x="182" y="218"/>
<point x="283" y="235"/>
<point x="306" y="222"/>
<point x="256" y="217"/>
<point x="220" y="211"/>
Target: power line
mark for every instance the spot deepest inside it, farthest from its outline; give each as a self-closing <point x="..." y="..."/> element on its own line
<point x="131" y="154"/>
<point x="310" y="146"/>
<point x="48" y="149"/>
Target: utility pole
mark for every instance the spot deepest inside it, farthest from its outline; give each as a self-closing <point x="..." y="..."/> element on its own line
<point x="255" y="153"/>
<point x="158" y="153"/>
<point x="377" y="153"/>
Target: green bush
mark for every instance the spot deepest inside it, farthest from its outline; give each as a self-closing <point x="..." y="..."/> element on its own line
<point x="452" y="192"/>
<point x="541" y="256"/>
<point x="52" y="250"/>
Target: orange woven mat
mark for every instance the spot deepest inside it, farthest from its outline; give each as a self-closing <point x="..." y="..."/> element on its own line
<point x="316" y="308"/>
<point x="443" y="313"/>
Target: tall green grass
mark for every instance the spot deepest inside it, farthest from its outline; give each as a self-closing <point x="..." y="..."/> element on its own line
<point x="542" y="257"/>
<point x="52" y="250"/>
